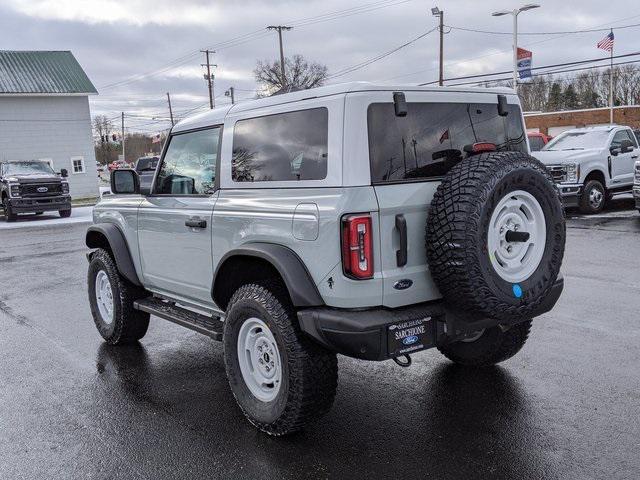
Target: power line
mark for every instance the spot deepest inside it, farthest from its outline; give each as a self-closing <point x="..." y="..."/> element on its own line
<point x="377" y="58"/>
<point x="564" y="64"/>
<point x="542" y="74"/>
<point x="568" y="32"/>
<point x="499" y="52"/>
<point x="255" y="35"/>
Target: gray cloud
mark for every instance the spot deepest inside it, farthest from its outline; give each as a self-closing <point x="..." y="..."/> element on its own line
<point x="114" y="40"/>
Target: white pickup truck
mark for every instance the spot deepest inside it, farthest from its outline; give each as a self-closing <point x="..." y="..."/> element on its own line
<point x="591" y="164"/>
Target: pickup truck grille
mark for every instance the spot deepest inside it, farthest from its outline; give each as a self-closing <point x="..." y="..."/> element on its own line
<point x="32" y="189"/>
<point x="558" y="172"/>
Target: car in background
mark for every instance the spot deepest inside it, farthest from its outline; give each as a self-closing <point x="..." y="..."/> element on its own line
<point x="146" y="169"/>
<point x="32" y="186"/>
<point x="591" y="164"/>
<point x="538" y="140"/>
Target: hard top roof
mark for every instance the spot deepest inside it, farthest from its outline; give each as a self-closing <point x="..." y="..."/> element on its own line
<point x="217" y="115"/>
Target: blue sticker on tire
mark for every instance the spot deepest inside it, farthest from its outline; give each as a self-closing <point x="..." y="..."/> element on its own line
<point x="517" y="291"/>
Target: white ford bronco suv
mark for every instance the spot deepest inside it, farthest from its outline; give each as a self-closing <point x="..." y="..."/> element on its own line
<point x="369" y="221"/>
<point x="591" y="164"/>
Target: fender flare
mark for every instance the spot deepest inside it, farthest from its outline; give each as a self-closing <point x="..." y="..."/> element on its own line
<point x="301" y="287"/>
<point x="118" y="246"/>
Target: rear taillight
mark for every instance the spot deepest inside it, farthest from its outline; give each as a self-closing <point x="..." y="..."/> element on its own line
<point x="357" y="246"/>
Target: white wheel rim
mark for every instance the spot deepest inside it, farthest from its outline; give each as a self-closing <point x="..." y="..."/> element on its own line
<point x="104" y="297"/>
<point x="259" y="359"/>
<point x="515" y="261"/>
<point x="595" y="197"/>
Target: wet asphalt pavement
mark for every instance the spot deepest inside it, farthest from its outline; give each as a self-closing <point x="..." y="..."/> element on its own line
<point x="567" y="406"/>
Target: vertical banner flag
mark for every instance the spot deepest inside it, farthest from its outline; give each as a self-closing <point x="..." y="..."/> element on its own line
<point x="524" y="63"/>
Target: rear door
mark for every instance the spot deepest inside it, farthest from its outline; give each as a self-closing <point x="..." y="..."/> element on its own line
<point x="174" y="222"/>
<point x="409" y="156"/>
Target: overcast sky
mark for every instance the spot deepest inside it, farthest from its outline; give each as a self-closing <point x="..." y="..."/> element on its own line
<point x="135" y="51"/>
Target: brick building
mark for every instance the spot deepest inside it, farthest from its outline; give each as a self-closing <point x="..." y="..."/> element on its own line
<point x="553" y="123"/>
<point x="44" y="115"/>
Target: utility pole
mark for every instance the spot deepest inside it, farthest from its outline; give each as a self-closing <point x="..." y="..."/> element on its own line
<point x="209" y="78"/>
<point x="229" y="93"/>
<point x="279" y="28"/>
<point x="440" y="13"/>
<point x="170" y="110"/>
<point x="122" y="116"/>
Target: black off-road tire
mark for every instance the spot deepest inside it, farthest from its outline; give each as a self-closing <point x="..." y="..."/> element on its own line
<point x="65" y="213"/>
<point x="585" y="204"/>
<point x="493" y="346"/>
<point x="458" y="229"/>
<point x="9" y="216"/>
<point x="309" y="372"/>
<point x="129" y="325"/>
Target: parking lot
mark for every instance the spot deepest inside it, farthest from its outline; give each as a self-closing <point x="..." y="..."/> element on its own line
<point x="568" y="406"/>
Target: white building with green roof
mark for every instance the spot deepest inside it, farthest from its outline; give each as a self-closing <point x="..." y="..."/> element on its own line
<point x="44" y="114"/>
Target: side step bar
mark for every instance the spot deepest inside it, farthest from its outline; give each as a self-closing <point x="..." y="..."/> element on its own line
<point x="209" y="326"/>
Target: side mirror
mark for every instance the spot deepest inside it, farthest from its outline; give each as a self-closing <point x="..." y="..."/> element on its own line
<point x="64" y="173"/>
<point x="614" y="151"/>
<point x="626" y="146"/>
<point x="125" y="181"/>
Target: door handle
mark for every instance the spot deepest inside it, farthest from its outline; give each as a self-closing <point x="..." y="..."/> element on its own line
<point x="195" y="222"/>
<point x="401" y="255"/>
<point x="634" y="156"/>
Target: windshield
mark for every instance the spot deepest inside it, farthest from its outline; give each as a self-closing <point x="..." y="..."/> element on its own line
<point x="29" y="168"/>
<point x="578" y="140"/>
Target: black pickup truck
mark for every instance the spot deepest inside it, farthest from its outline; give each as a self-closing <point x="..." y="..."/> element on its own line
<point x="33" y="187"/>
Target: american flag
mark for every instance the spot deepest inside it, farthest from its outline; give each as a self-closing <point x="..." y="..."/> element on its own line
<point x="606" y="43"/>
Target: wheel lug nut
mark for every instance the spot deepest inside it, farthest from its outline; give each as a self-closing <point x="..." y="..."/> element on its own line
<point x="509" y="248"/>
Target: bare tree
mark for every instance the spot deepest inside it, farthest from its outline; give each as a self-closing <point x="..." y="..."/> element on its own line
<point x="534" y="94"/>
<point x="627" y="84"/>
<point x="300" y="74"/>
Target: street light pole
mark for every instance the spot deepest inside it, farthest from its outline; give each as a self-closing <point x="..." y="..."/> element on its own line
<point x="436" y="12"/>
<point x="515" y="13"/>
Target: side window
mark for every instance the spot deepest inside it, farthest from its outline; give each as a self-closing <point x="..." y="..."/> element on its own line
<point x="189" y="164"/>
<point x="632" y="137"/>
<point x="618" y="138"/>
<point x="288" y="146"/>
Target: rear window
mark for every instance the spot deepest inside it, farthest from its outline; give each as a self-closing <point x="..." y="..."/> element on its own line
<point x="288" y="146"/>
<point x="536" y="143"/>
<point x="430" y="140"/>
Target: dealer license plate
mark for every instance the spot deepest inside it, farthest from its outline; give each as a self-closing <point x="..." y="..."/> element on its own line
<point x="409" y="336"/>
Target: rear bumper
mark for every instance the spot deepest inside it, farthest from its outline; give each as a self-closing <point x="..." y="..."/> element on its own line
<point x="40" y="204"/>
<point x="636" y="195"/>
<point x="570" y="194"/>
<point x="364" y="333"/>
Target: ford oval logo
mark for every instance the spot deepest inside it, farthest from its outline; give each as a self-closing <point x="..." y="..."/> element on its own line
<point x="43" y="189"/>
<point x="403" y="284"/>
<point x="410" y="340"/>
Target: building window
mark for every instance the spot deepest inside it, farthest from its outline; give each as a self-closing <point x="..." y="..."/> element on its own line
<point x="77" y="165"/>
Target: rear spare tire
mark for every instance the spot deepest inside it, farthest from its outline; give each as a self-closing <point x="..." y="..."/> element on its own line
<point x="496" y="235"/>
